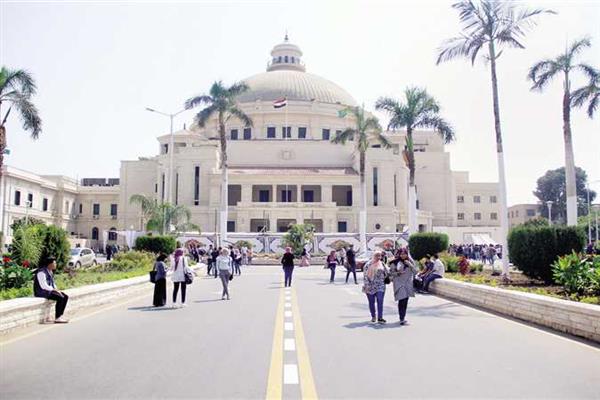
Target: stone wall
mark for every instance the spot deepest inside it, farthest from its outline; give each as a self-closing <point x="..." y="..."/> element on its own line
<point x="562" y="315"/>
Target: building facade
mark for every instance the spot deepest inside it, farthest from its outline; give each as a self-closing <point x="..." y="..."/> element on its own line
<point x="283" y="169"/>
<point x="521" y="213"/>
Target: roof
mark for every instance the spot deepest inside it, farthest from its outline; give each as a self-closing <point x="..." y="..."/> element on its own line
<point x="297" y="171"/>
<point x="295" y="85"/>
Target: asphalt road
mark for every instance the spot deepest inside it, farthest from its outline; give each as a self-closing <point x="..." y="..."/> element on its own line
<point x="311" y="341"/>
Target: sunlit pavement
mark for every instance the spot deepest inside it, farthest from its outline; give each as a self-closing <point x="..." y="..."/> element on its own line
<point x="314" y="340"/>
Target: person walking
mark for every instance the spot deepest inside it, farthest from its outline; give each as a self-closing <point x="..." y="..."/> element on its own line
<point x="237" y="261"/>
<point x="180" y="267"/>
<point x="351" y="264"/>
<point x="402" y="273"/>
<point x="214" y="255"/>
<point x="374" y="286"/>
<point x="209" y="260"/>
<point x="331" y="264"/>
<point x="224" y="266"/>
<point x="287" y="261"/>
<point x="44" y="286"/>
<point x="304" y="258"/>
<point x="160" y="284"/>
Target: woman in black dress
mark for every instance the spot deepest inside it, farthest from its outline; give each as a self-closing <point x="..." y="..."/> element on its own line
<point x="160" y="287"/>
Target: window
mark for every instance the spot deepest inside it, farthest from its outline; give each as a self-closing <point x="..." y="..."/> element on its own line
<point x="286" y="132"/>
<point x="349" y="198"/>
<point x="302" y="132"/>
<point x="94" y="233"/>
<point x="493" y="199"/>
<point x="113" y="210"/>
<point x="247" y="133"/>
<point x="395" y="192"/>
<point x="461" y="216"/>
<point x="80" y="208"/>
<point x="326" y="133"/>
<point x="375" y="188"/>
<point x="293" y="59"/>
<point x="177" y="188"/>
<point x="196" y="185"/>
<point x="230" y="226"/>
<point x="460" y="199"/>
<point x="162" y="189"/>
<point x="234" y="134"/>
<point x="530" y="213"/>
<point x="309" y="196"/>
<point x="377" y="226"/>
<point x="17" y="197"/>
<point x="477" y="216"/>
<point x="494" y="216"/>
<point x="44" y="204"/>
<point x="96" y="209"/>
<point x="516" y="213"/>
<point x="156" y="188"/>
<point x="286" y="58"/>
<point x="286" y="196"/>
<point x="112" y="234"/>
<point x="263" y="196"/>
<point x="30" y="200"/>
<point x="271" y="132"/>
<point x="342" y="226"/>
<point x="165" y="148"/>
<point x="338" y="133"/>
<point x="476" y="199"/>
<point x="67" y="207"/>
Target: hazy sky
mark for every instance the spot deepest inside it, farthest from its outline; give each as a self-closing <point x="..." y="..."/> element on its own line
<point x="97" y="65"/>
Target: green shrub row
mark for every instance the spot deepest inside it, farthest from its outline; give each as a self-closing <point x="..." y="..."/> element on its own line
<point x="156" y="244"/>
<point x="533" y="250"/>
<point x="427" y="244"/>
<point x="578" y="274"/>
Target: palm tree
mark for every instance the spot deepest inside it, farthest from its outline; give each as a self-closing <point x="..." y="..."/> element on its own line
<point x="221" y="101"/>
<point x="147" y="206"/>
<point x="159" y="217"/>
<point x="493" y="24"/>
<point x="541" y="74"/>
<point x="420" y="111"/>
<point x="589" y="93"/>
<point x="16" y="89"/>
<point x="365" y="132"/>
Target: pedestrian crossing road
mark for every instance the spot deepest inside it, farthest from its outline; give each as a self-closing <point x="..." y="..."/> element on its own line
<point x="314" y="340"/>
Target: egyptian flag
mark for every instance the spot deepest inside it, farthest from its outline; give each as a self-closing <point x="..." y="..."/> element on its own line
<point x="280" y="102"/>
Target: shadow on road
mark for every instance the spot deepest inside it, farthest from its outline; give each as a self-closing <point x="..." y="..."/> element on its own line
<point x="368" y="324"/>
<point x="150" y="308"/>
<point x="207" y="301"/>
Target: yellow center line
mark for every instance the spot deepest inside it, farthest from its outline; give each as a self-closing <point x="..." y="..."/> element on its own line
<point x="275" y="381"/>
<point x="307" y="382"/>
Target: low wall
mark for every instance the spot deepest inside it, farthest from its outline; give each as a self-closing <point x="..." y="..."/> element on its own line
<point x="578" y="319"/>
<point x="21" y="312"/>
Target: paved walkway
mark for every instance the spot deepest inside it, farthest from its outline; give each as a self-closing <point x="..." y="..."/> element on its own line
<point x="311" y="341"/>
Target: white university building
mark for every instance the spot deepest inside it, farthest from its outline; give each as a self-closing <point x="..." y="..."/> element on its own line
<point x="282" y="170"/>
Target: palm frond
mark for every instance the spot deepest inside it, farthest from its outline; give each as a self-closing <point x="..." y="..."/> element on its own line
<point x="242" y="116"/>
<point x="197" y="100"/>
<point x="346" y="135"/>
<point x="19" y="80"/>
<point x="441" y="126"/>
<point x="542" y="73"/>
<point x="381" y="139"/>
<point x="204" y="115"/>
<point x="238" y="88"/>
<point x="462" y="46"/>
<point x="29" y="115"/>
<point x="589" y="93"/>
<point x="578" y="46"/>
<point x="590" y="72"/>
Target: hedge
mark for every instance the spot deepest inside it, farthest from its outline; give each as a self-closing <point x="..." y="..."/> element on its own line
<point x="533" y="249"/>
<point x="156" y="244"/>
<point x="423" y="244"/>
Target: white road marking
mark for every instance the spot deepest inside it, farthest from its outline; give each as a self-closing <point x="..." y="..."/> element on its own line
<point x="288" y="326"/>
<point x="289" y="345"/>
<point x="290" y="374"/>
<point x="288" y="313"/>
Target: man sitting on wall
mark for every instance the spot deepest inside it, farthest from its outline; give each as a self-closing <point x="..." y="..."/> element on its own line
<point x="436" y="273"/>
<point x="44" y="286"/>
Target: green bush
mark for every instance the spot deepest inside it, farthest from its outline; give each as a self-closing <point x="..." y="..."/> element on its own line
<point x="27" y="244"/>
<point x="130" y="260"/>
<point x="14" y="275"/>
<point x="55" y="244"/>
<point x="423" y="244"/>
<point x="476" y="267"/>
<point x="451" y="262"/>
<point x="298" y="236"/>
<point x="244" y="243"/>
<point x="156" y="244"/>
<point x="578" y="275"/>
<point x="534" y="249"/>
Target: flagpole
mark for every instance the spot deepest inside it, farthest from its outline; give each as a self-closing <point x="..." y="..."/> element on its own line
<point x="287" y="199"/>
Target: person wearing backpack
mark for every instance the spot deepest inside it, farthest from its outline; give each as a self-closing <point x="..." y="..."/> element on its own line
<point x="44" y="286"/>
<point x="181" y="276"/>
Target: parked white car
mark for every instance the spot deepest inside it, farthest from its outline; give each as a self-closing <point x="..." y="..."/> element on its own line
<point x="82" y="257"/>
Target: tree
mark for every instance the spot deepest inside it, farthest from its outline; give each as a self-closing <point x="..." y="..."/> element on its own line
<point x="493" y="24"/>
<point x="221" y="101"/>
<point x="161" y="217"/>
<point x="55" y="244"/>
<point x="298" y="236"/>
<point x="27" y="244"/>
<point x="17" y="223"/>
<point x="365" y="132"/>
<point x="589" y="93"/>
<point x="552" y="187"/>
<point x="420" y="111"/>
<point x="147" y="206"/>
<point x="541" y="74"/>
<point x="17" y="87"/>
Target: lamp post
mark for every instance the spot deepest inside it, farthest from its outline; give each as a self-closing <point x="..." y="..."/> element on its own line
<point x="590" y="213"/>
<point x="171" y="149"/>
<point x="549" y="204"/>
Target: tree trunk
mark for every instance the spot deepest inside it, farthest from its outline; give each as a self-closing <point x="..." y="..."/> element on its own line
<point x="501" y="171"/>
<point x="2" y="147"/>
<point x="224" y="183"/>
<point x="413" y="226"/>
<point x="362" y="216"/>
<point x="569" y="156"/>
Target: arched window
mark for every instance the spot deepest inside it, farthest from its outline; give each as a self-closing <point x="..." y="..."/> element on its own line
<point x="286" y="59"/>
<point x="293" y="60"/>
<point x="94" y="233"/>
<point x="112" y="234"/>
<point x="279" y="59"/>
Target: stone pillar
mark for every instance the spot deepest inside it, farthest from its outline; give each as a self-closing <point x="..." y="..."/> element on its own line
<point x="274" y="193"/>
<point x="326" y="193"/>
<point x="246" y="193"/>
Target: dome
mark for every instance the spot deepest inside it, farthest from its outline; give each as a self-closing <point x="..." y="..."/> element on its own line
<point x="286" y="77"/>
<point x="294" y="85"/>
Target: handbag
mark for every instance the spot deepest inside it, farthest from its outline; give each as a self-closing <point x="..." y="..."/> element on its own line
<point x="187" y="273"/>
<point x="230" y="277"/>
<point x="153" y="276"/>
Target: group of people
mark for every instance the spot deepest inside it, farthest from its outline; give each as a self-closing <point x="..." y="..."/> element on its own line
<point x="240" y="255"/>
<point x="484" y="253"/>
<point x="346" y="258"/>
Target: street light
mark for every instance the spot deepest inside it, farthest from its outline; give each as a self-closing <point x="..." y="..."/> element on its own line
<point x="549" y="204"/>
<point x="171" y="149"/>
